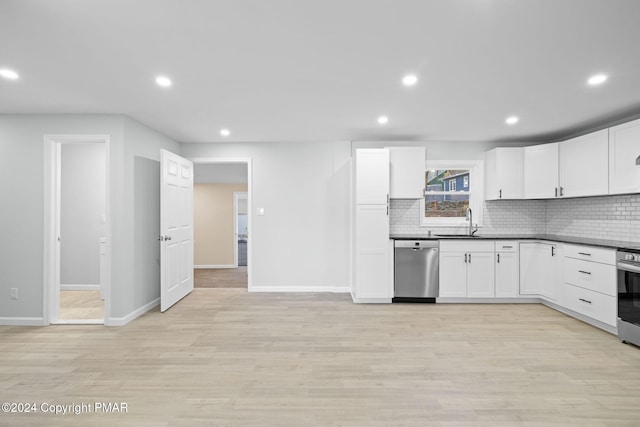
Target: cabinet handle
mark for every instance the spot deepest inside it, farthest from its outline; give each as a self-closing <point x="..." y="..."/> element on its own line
<point x="556" y="191"/>
<point x="584" y="253"/>
<point x="469" y="258"/>
<point x="387" y="210"/>
<point x="465" y="258"/>
<point x="507" y="247"/>
<point x="561" y="191"/>
<point x="584" y="300"/>
<point x="553" y="251"/>
<point x="584" y="272"/>
<point x="501" y="193"/>
<point x="498" y="258"/>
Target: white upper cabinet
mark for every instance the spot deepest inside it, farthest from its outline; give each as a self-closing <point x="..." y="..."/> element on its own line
<point x="372" y="176"/>
<point x="504" y="177"/>
<point x="624" y="156"/>
<point x="407" y="178"/>
<point x="584" y="166"/>
<point x="541" y="171"/>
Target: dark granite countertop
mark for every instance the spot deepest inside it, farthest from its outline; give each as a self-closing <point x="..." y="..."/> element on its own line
<point x="605" y="243"/>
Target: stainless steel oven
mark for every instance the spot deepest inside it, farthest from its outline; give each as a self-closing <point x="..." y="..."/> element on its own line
<point x="629" y="296"/>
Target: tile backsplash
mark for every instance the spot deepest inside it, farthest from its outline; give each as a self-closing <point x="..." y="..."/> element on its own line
<point x="607" y="217"/>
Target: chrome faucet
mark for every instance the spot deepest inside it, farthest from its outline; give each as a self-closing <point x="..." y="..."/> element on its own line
<point x="470" y="219"/>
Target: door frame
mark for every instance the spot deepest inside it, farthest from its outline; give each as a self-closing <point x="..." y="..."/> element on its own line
<point x="51" y="261"/>
<point x="237" y="195"/>
<point x="248" y="162"/>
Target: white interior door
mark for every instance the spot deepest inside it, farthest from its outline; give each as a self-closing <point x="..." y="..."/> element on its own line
<point x="176" y="224"/>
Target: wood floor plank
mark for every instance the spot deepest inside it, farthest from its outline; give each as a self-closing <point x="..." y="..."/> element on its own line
<point x="231" y="358"/>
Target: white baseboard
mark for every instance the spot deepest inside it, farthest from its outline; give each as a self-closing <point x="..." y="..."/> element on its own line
<point x="215" y="266"/>
<point x="79" y="287"/>
<point x="371" y="300"/>
<point x="500" y="300"/>
<point x="121" y="321"/>
<point x="22" y="321"/>
<point x="342" y="290"/>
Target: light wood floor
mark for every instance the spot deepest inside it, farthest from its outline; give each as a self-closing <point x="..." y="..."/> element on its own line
<point x="81" y="305"/>
<point x="220" y="277"/>
<point x="226" y="357"/>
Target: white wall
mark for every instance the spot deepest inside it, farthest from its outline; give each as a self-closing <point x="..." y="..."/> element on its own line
<point x="136" y="255"/>
<point x="302" y="241"/>
<point x="22" y="195"/>
<point x="134" y="204"/>
<point x="220" y="173"/>
<point x="82" y="204"/>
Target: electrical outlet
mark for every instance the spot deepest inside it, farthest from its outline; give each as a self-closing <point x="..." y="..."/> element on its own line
<point x="14" y="293"/>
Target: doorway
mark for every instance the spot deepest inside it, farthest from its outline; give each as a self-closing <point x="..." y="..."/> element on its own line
<point x="76" y="229"/>
<point x="222" y="198"/>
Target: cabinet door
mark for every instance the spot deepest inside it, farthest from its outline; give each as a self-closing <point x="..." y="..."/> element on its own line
<point x="372" y="252"/>
<point x="507" y="278"/>
<point x="480" y="275"/>
<point x="530" y="270"/>
<point x="624" y="154"/>
<point x="372" y="176"/>
<point x="510" y="175"/>
<point x="549" y="263"/>
<point x="407" y="172"/>
<point x="584" y="168"/>
<point x="541" y="171"/>
<point x="453" y="274"/>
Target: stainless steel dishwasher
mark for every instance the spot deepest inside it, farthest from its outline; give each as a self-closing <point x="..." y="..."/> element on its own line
<point x="416" y="270"/>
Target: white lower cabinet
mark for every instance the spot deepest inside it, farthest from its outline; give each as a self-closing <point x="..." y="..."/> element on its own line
<point x="592" y="304"/>
<point x="589" y="285"/>
<point x="539" y="263"/>
<point x="466" y="269"/>
<point x="372" y="266"/>
<point x="507" y="268"/>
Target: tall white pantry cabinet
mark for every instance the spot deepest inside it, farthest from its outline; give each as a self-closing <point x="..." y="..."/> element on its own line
<point x="372" y="282"/>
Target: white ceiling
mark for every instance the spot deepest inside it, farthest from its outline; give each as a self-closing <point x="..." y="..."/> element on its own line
<point x="290" y="70"/>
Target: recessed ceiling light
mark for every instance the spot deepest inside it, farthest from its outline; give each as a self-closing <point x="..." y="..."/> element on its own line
<point x="163" y="81"/>
<point x="512" y="120"/>
<point x="383" y="120"/>
<point x="597" y="79"/>
<point x="9" y="74"/>
<point x="410" y="80"/>
<point x="225" y="132"/>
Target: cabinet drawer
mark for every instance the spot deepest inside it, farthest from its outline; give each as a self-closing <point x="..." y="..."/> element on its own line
<point x="506" y="246"/>
<point x="591" y="275"/>
<point x="466" y="245"/>
<point x="592" y="304"/>
<point x="590" y="253"/>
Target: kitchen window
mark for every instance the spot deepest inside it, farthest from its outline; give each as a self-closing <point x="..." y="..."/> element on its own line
<point x="452" y="187"/>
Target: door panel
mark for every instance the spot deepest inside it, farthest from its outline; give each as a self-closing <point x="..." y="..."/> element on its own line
<point x="176" y="224"/>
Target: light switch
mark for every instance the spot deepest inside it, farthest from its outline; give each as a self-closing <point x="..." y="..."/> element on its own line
<point x="260" y="211"/>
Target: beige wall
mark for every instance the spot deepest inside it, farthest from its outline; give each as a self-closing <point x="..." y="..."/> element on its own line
<point x="213" y="212"/>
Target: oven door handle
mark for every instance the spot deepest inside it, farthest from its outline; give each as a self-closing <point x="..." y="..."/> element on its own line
<point x="626" y="266"/>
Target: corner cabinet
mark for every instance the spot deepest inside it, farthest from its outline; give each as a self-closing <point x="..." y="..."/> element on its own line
<point x="541" y="171"/>
<point x="624" y="158"/>
<point x="539" y="265"/>
<point x="584" y="170"/>
<point x="504" y="177"/>
<point x="407" y="172"/>
<point x="371" y="238"/>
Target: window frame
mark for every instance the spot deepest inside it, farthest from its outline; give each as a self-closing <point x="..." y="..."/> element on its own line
<point x="476" y="196"/>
